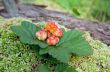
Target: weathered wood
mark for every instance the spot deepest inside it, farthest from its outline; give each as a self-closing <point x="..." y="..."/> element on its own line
<point x="97" y="30"/>
<point x="10" y="7"/>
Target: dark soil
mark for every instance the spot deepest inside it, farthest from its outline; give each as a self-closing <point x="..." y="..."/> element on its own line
<point x="98" y="30"/>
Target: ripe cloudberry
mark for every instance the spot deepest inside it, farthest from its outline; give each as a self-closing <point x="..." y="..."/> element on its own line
<point x="51" y="27"/>
<point x="41" y="34"/>
<point x="52" y="40"/>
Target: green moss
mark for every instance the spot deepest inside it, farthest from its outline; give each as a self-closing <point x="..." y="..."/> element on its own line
<point x="14" y="56"/>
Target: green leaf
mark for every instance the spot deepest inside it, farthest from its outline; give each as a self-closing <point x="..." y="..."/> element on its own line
<point x="59" y="68"/>
<point x="44" y="68"/>
<point x="63" y="3"/>
<point x="72" y="42"/>
<point x="26" y="31"/>
<point x="67" y="4"/>
<point x="69" y="36"/>
<point x="64" y="68"/>
<point x="60" y="54"/>
<point x="108" y="11"/>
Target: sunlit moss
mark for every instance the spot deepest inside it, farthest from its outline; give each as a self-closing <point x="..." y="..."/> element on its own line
<point x="98" y="62"/>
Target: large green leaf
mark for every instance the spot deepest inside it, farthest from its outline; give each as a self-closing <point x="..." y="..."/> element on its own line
<point x="59" y="68"/>
<point x="72" y="42"/>
<point x="61" y="54"/>
<point x="64" y="68"/>
<point x="26" y="31"/>
<point x="44" y="68"/>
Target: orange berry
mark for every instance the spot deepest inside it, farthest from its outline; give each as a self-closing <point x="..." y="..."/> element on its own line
<point x="52" y="40"/>
<point x="51" y="27"/>
<point x="58" y="33"/>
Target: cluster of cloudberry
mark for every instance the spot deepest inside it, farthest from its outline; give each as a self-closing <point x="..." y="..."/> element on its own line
<point x="50" y="33"/>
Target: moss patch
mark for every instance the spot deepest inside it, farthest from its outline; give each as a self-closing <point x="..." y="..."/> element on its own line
<point x="14" y="56"/>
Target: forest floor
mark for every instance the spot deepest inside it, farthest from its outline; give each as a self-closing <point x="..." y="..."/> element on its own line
<point x="98" y="30"/>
